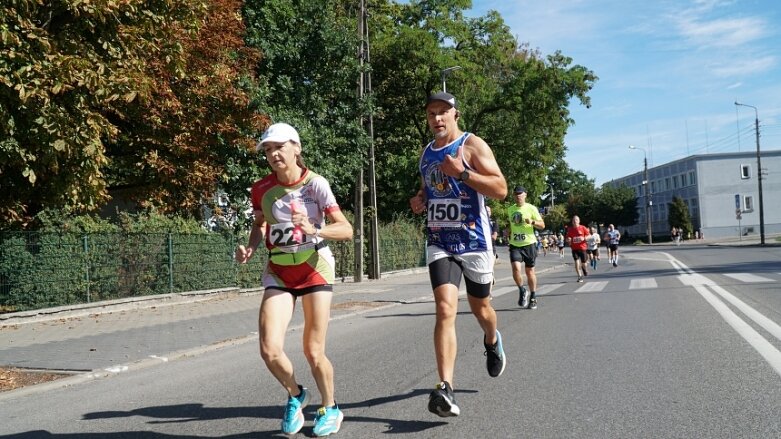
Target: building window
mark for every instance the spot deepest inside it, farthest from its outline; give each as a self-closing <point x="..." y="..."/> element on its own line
<point x="667" y="184"/>
<point x="745" y="171"/>
<point x="675" y="182"/>
<point x="692" y="178"/>
<point x="653" y="187"/>
<point x="748" y="203"/>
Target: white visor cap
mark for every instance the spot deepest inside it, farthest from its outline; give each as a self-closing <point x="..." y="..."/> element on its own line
<point x="279" y="132"/>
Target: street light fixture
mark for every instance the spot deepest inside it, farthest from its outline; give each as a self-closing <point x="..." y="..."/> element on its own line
<point x="648" y="227"/>
<point x="446" y="72"/>
<point x="759" y="175"/>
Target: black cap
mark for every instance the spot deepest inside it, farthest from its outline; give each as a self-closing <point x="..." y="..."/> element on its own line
<point x="444" y="97"/>
<point x="520" y="189"/>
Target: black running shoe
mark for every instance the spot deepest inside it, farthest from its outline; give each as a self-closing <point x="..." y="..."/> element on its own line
<point x="495" y="359"/>
<point x="441" y="401"/>
<point x="523" y="299"/>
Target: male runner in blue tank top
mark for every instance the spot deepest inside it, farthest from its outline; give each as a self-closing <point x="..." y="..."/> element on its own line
<point x="458" y="171"/>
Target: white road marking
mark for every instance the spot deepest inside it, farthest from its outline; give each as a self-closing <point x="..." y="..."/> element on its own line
<point x="592" y="287"/>
<point x="748" y="277"/>
<point x="767" y="324"/>
<point x="703" y="285"/>
<point x="767" y="350"/>
<point x="642" y="284"/>
<point x="545" y="289"/>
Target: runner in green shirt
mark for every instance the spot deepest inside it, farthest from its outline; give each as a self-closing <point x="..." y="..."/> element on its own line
<point x="524" y="218"/>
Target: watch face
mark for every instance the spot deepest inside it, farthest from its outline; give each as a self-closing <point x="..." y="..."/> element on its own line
<point x="465" y="175"/>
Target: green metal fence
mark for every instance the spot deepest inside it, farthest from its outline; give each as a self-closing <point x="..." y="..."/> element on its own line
<point x="40" y="270"/>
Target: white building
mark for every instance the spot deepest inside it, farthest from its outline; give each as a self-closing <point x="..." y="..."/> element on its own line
<point x="713" y="186"/>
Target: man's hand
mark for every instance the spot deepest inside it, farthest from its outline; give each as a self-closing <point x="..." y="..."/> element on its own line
<point x="452" y="166"/>
<point x="418" y="203"/>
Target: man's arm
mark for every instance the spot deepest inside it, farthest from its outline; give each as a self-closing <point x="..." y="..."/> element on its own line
<point x="485" y="176"/>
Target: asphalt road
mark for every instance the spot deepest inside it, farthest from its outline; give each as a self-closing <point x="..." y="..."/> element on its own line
<point x="676" y="342"/>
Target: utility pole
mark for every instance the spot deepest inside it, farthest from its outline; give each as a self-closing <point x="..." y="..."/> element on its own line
<point x="358" y="225"/>
<point x="444" y="74"/>
<point x="647" y="201"/>
<point x="648" y="224"/>
<point x="552" y="197"/>
<point x="374" y="236"/>
<point x="759" y="175"/>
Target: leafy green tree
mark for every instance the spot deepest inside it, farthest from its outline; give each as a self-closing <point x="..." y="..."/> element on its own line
<point x="616" y="205"/>
<point x="556" y="218"/>
<point x="65" y="66"/>
<point x="679" y="216"/>
<point x="310" y="70"/>
<point x="509" y="95"/>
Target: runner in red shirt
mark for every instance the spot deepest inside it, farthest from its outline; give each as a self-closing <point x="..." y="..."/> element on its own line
<point x="576" y="238"/>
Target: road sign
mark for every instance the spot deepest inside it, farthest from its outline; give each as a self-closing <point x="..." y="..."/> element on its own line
<point x="737" y="201"/>
<point x="738" y="214"/>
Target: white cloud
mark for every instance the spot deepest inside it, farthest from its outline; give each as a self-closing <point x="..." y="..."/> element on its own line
<point x="743" y="67"/>
<point x="722" y="33"/>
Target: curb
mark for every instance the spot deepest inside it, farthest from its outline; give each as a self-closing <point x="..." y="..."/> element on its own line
<point x="85" y="309"/>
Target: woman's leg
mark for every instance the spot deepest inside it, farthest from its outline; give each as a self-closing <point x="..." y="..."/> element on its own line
<point x="317" y="312"/>
<point x="276" y="310"/>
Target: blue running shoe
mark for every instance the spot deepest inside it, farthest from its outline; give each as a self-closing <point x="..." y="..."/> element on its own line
<point x="328" y="420"/>
<point x="294" y="412"/>
<point x="495" y="359"/>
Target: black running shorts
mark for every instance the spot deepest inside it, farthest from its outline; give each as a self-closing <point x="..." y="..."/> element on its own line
<point x="526" y="254"/>
<point x="579" y="254"/>
<point x="449" y="271"/>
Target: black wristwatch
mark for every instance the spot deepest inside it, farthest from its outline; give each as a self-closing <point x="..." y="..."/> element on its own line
<point x="464" y="175"/>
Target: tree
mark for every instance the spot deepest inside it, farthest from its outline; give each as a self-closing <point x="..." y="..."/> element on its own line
<point x="196" y="130"/>
<point x="64" y="66"/>
<point x="616" y="205"/>
<point x="310" y="70"/>
<point x="679" y="216"/>
<point x="511" y="96"/>
<point x="556" y="218"/>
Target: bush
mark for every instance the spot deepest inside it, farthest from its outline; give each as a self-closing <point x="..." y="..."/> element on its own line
<point x="71" y="260"/>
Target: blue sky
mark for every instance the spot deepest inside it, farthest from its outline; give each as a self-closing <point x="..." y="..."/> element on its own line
<point x="669" y="74"/>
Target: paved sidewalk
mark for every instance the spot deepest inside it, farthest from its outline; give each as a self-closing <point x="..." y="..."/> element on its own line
<point x="109" y="338"/>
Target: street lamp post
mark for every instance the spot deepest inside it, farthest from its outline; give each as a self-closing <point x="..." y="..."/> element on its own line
<point x="759" y="175"/>
<point x="648" y="227"/>
<point x="552" y="197"/>
<point x="446" y="72"/>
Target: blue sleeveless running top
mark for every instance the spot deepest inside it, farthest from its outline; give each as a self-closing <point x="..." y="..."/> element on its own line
<point x="456" y="220"/>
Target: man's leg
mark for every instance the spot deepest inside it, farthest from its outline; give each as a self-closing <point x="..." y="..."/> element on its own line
<point x="531" y="275"/>
<point x="445" y="342"/>
<point x="517" y="277"/>
<point x="442" y="401"/>
<point x="577" y="265"/>
<point x="486" y="317"/>
<point x="481" y="307"/>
